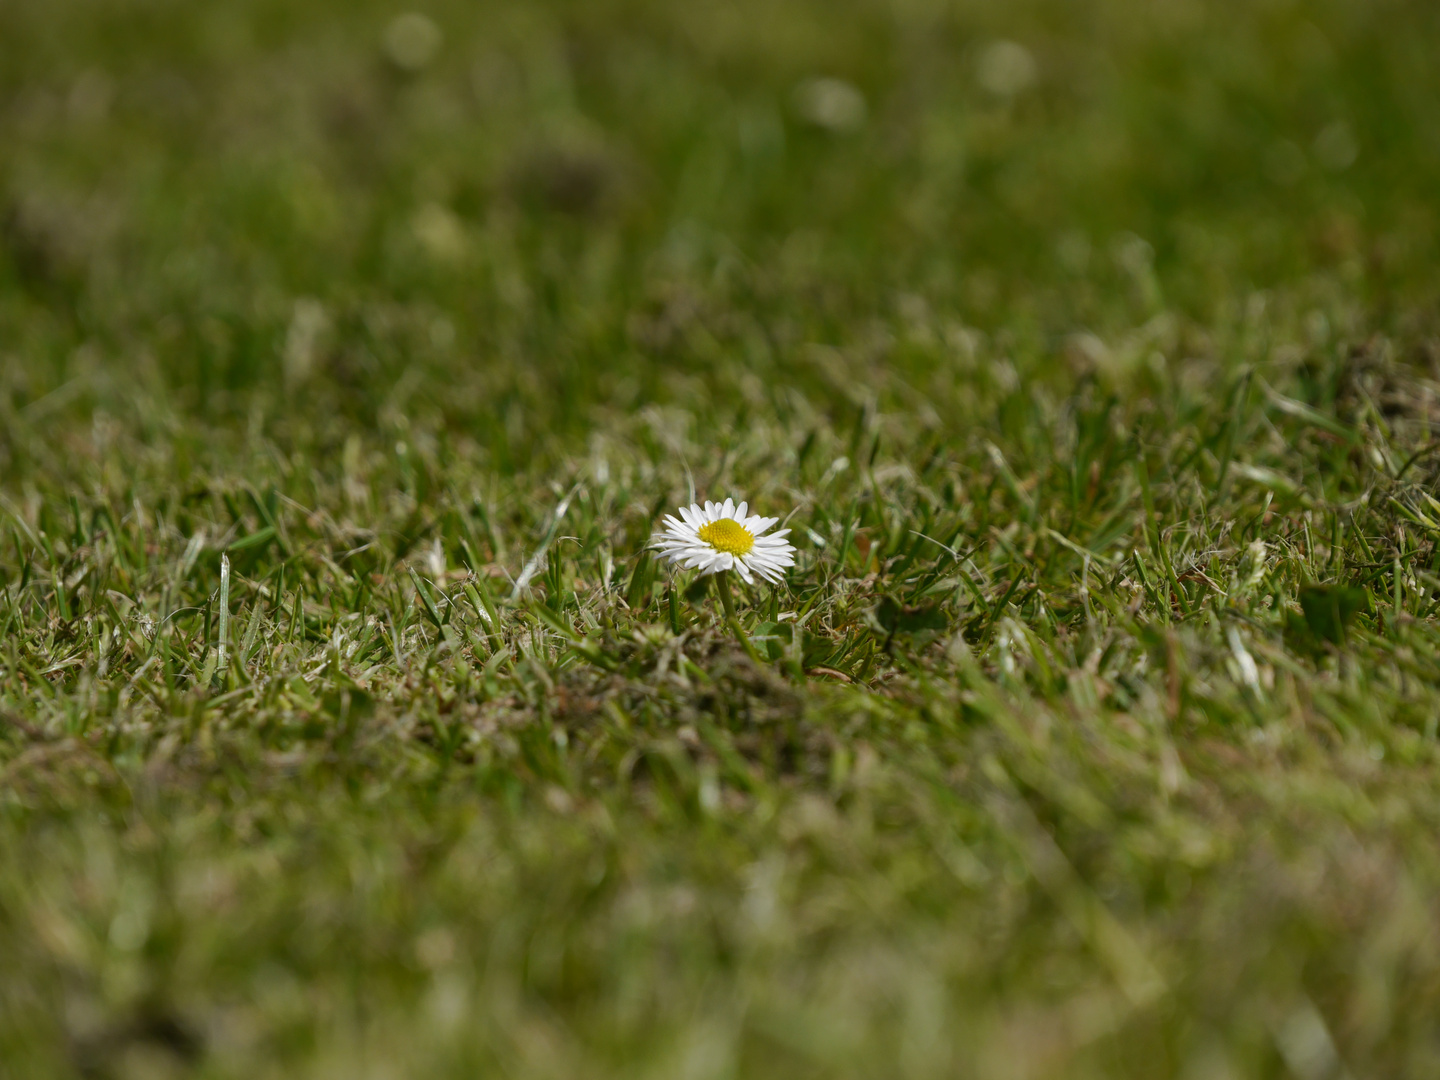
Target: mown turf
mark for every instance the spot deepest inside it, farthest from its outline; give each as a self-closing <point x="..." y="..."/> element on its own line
<point x="1091" y="352"/>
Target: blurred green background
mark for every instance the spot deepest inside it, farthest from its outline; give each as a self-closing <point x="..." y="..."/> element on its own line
<point x="509" y="219"/>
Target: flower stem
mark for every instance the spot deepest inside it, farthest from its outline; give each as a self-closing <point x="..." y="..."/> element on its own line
<point x="722" y="586"/>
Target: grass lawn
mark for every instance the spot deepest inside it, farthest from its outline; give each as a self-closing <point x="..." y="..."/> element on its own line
<point x="350" y="356"/>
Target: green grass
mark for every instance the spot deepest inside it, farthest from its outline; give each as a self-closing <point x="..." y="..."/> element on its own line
<point x="1096" y="728"/>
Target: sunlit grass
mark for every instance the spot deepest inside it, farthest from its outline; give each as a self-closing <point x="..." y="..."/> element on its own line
<point x="350" y="359"/>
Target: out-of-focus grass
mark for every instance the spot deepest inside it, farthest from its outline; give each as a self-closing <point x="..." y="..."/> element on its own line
<point x="1094" y="349"/>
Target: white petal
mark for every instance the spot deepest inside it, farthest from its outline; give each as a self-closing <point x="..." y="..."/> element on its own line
<point x="740" y="512"/>
<point x="774" y="562"/>
<point x="728" y="510"/>
<point x="759" y="525"/>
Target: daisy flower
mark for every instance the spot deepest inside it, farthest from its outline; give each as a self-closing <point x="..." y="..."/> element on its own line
<point x="721" y="536"/>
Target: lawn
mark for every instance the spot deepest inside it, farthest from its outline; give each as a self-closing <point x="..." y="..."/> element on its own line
<point x="351" y="355"/>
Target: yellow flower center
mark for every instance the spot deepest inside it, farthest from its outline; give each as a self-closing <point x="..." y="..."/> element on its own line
<point x="728" y="536"/>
